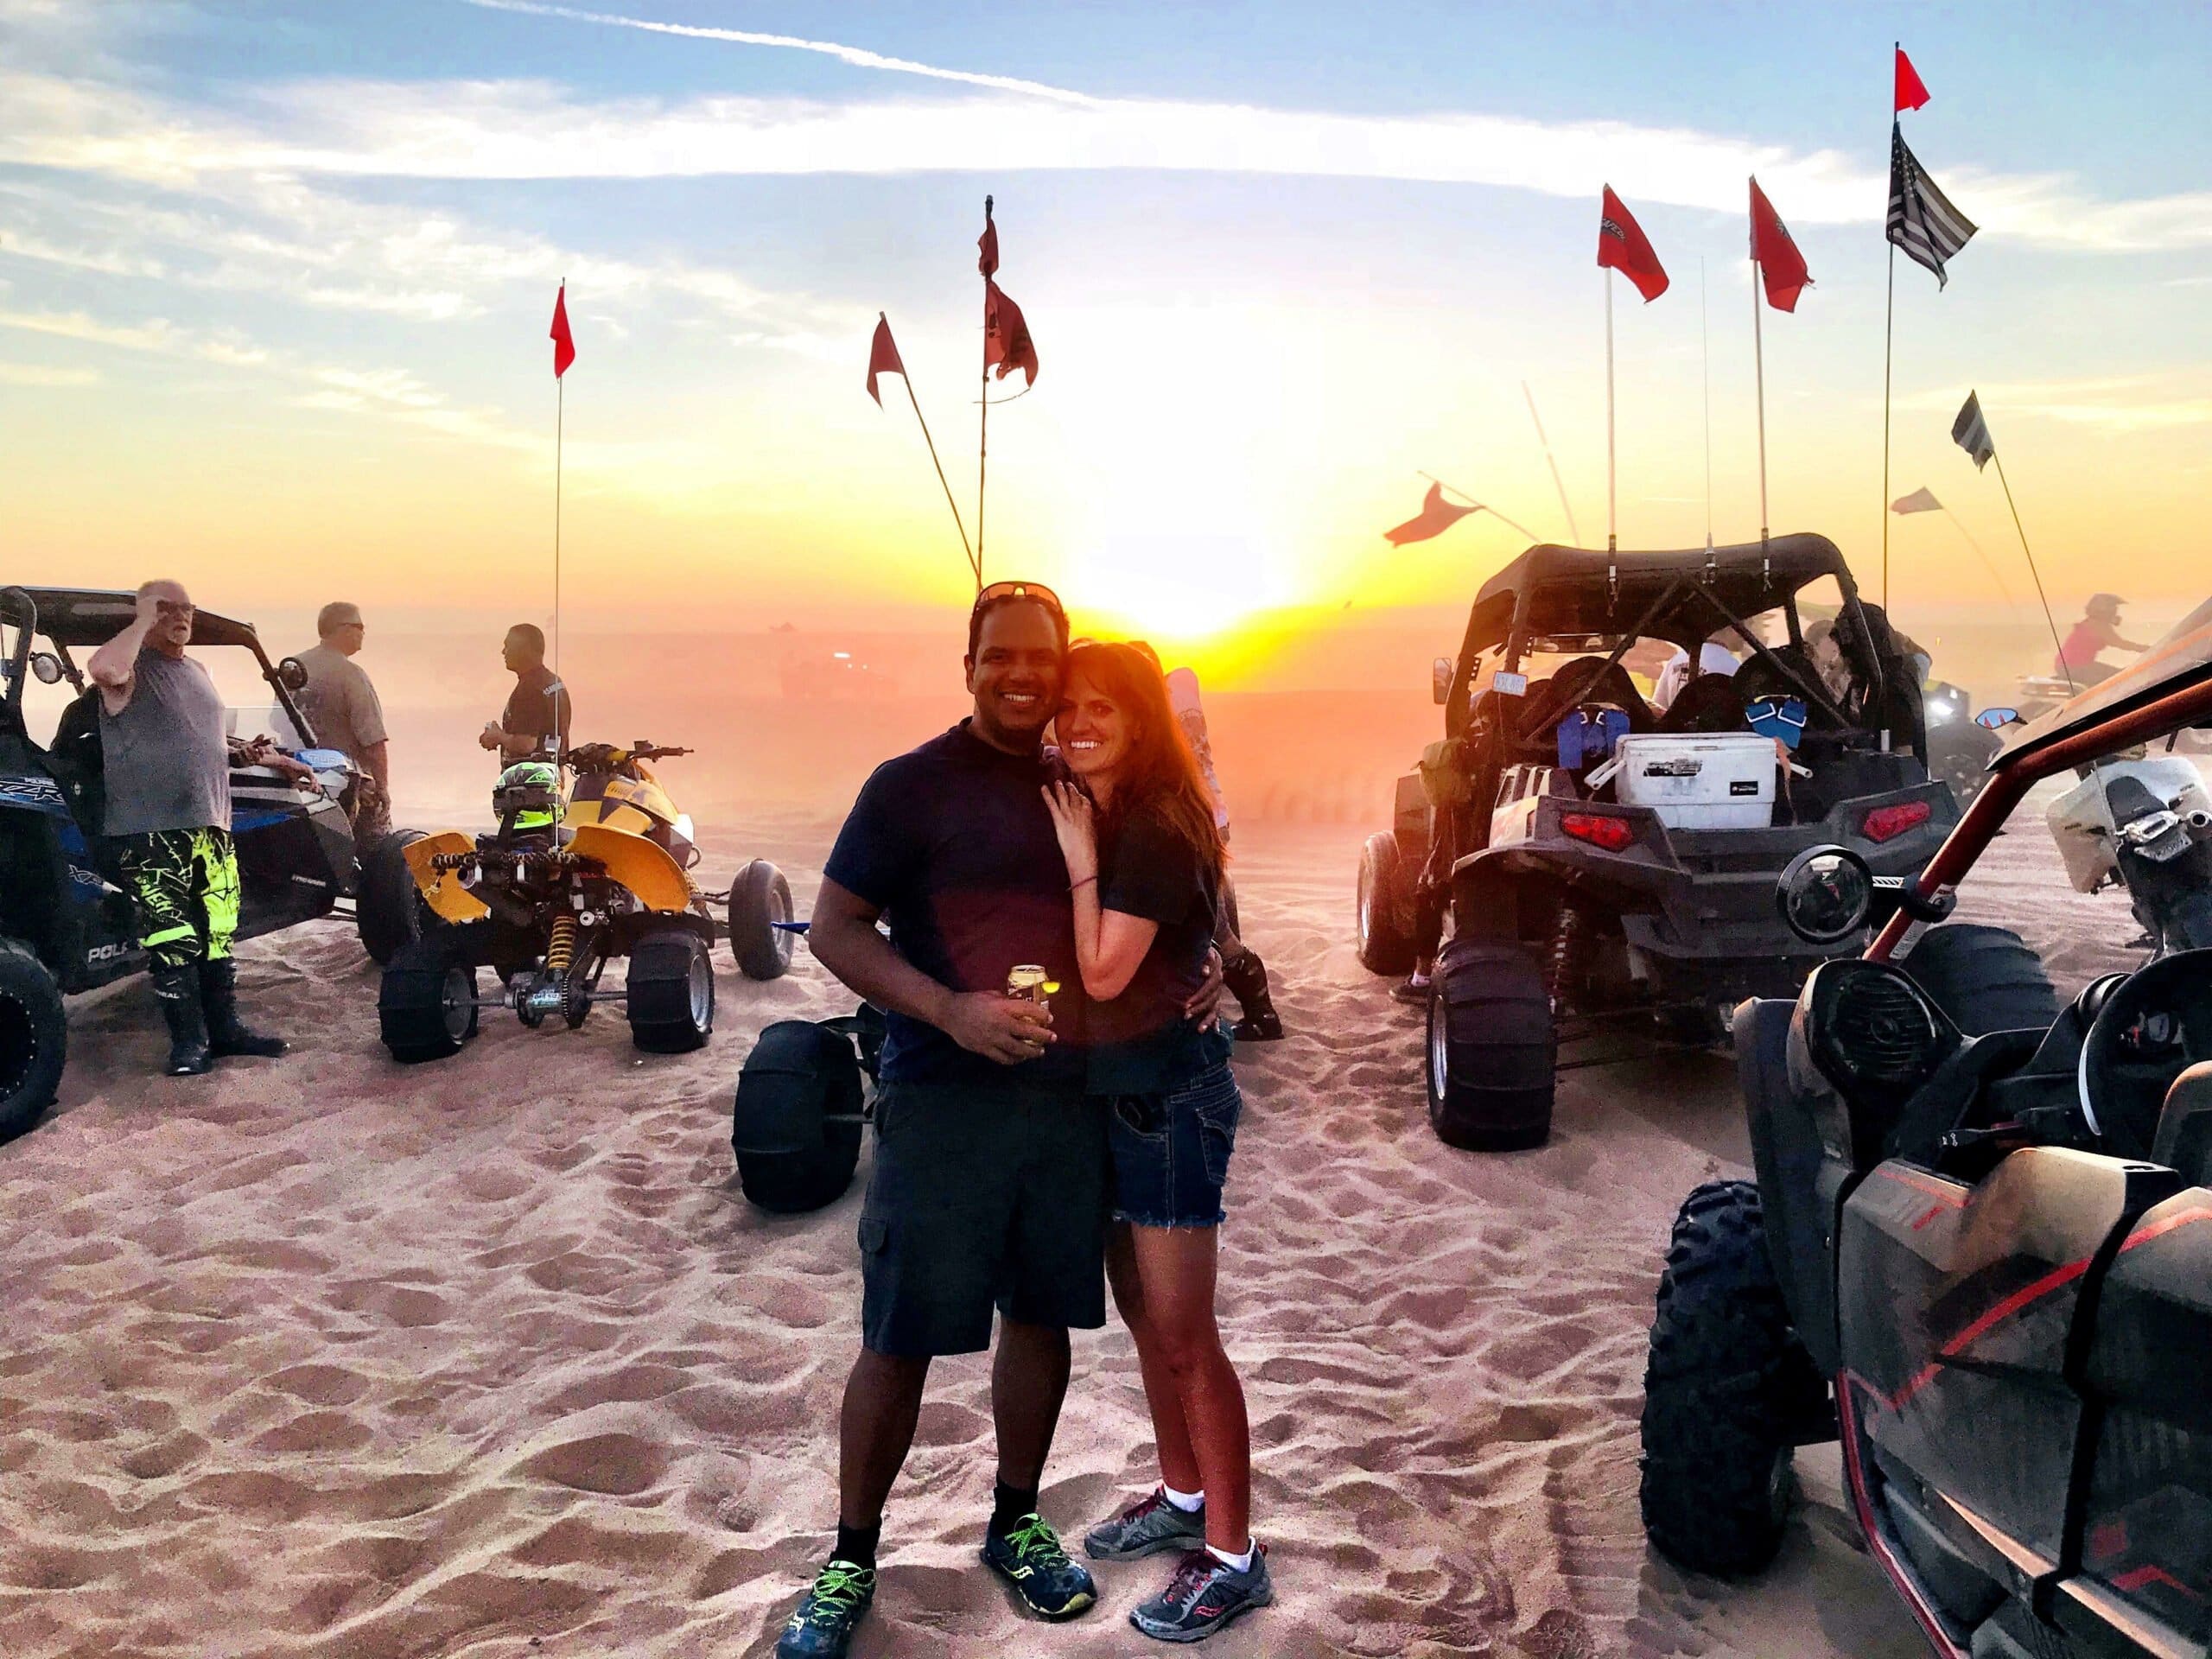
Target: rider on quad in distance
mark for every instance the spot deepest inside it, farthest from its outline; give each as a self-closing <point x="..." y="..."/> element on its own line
<point x="561" y="887"/>
<point x="1979" y="1250"/>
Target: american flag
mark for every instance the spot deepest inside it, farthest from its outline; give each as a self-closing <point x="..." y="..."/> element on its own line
<point x="1922" y="220"/>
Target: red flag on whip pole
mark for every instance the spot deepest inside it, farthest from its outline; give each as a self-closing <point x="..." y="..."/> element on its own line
<point x="1623" y="246"/>
<point x="1911" y="91"/>
<point x="883" y="358"/>
<point x="1781" y="268"/>
<point x="564" y="343"/>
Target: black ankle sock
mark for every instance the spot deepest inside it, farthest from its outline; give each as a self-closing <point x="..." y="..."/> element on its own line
<point x="1010" y="1504"/>
<point x="857" y="1544"/>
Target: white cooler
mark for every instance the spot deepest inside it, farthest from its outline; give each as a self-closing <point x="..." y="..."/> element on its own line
<point x="1699" y="782"/>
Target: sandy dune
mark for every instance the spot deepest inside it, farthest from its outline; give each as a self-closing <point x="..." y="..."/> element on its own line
<point x="328" y="1357"/>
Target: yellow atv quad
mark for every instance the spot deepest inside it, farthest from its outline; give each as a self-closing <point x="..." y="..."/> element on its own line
<point x="560" y="889"/>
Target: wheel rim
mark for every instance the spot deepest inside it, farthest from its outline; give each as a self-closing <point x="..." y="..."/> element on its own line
<point x="1439" y="1048"/>
<point x="779" y="909"/>
<point x="1366" y="910"/>
<point x="701" y="985"/>
<point x="453" y="1001"/>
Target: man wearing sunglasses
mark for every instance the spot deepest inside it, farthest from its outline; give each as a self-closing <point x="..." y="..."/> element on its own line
<point x="166" y="762"/>
<point x="989" y="1187"/>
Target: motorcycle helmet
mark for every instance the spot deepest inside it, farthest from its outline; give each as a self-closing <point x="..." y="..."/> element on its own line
<point x="527" y="796"/>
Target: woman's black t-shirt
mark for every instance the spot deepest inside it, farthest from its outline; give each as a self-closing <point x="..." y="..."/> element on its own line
<point x="1140" y="1043"/>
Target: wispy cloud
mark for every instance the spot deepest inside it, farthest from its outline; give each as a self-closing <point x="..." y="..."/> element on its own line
<point x="158" y="334"/>
<point x="45" y="374"/>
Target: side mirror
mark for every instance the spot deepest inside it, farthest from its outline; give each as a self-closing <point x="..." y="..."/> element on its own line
<point x="294" y="673"/>
<point x="46" y="667"/>
<point x="1826" y="895"/>
<point x="1440" y="675"/>
<point x="1995" y="719"/>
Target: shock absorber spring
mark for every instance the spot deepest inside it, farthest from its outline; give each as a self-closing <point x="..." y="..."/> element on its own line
<point x="561" y="949"/>
<point x="1570" y="932"/>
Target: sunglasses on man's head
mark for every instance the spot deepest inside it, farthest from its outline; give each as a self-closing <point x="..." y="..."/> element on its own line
<point x="1035" y="590"/>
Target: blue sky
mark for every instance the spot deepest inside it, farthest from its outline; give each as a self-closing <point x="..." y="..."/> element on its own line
<point x="291" y="263"/>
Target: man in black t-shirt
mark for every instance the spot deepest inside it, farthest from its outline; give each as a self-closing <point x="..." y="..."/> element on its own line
<point x="989" y="1186"/>
<point x="536" y="719"/>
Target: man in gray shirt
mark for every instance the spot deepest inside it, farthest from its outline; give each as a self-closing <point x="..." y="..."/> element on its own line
<point x="342" y="706"/>
<point x="167" y="765"/>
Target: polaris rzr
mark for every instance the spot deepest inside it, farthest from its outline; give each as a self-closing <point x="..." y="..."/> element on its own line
<point x="67" y="924"/>
<point x="569" y="881"/>
<point x="1571" y="861"/>
<point x="1979" y="1251"/>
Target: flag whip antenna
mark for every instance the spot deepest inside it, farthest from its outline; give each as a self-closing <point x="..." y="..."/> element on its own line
<point x="1758" y="361"/>
<point x="1573" y="528"/>
<point x="1705" y="350"/>
<point x="1479" y="506"/>
<point x="983" y="432"/>
<point x="560" y="420"/>
<point x="1888" y="326"/>
<point x="1612" y="519"/>
<point x="967" y="552"/>
<point x="2049" y="621"/>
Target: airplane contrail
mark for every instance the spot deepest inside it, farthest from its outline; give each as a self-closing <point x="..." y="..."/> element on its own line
<point x="859" y="58"/>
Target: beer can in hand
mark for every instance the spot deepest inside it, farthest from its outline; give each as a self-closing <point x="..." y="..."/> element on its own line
<point x="1028" y="982"/>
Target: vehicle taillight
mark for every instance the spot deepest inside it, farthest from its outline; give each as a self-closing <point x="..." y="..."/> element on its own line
<point x="1887" y="822"/>
<point x="1598" y="829"/>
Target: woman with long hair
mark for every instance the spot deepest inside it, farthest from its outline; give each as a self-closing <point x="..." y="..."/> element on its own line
<point x="1145" y="867"/>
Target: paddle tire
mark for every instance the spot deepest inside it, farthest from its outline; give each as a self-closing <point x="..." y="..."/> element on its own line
<point x="796" y="1123"/>
<point x="426" y="1007"/>
<point x="1491" y="1047"/>
<point x="759" y="900"/>
<point x="672" y="992"/>
<point x="388" y="908"/>
<point x="1728" y="1390"/>
<point x="1386" y="908"/>
<point x="34" y="1038"/>
<point x="1984" y="978"/>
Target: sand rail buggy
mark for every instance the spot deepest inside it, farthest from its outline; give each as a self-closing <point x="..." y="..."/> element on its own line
<point x="570" y="880"/>
<point x="1979" y="1250"/>
<point x="67" y="924"/>
<point x="1569" y="861"/>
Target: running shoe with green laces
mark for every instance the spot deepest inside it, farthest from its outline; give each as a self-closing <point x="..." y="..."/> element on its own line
<point x="1205" y="1594"/>
<point x="1030" y="1560"/>
<point x="1147" y="1527"/>
<point x="821" y="1626"/>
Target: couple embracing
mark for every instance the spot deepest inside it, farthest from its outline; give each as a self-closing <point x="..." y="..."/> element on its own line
<point x="1027" y="1152"/>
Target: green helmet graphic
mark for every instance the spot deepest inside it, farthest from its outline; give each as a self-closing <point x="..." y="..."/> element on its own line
<point x="530" y="791"/>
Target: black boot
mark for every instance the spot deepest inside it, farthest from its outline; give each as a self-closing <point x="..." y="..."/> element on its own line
<point x="1247" y="979"/>
<point x="227" y="1033"/>
<point x="178" y="991"/>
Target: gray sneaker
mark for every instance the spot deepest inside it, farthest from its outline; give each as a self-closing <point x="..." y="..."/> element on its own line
<point x="1204" y="1596"/>
<point x="1147" y="1527"/>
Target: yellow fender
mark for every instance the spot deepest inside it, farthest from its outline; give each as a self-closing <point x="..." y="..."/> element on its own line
<point x="657" y="879"/>
<point x="442" y="889"/>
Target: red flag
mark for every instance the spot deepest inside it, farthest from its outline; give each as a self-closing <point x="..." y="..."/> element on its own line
<point x="883" y="356"/>
<point x="1781" y="268"/>
<point x="1005" y="335"/>
<point x="1623" y="246"/>
<point x="1912" y="91"/>
<point x="564" y="343"/>
<point x="987" y="245"/>
<point x="1437" y="515"/>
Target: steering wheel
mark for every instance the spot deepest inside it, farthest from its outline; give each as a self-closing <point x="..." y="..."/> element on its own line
<point x="2150" y="1027"/>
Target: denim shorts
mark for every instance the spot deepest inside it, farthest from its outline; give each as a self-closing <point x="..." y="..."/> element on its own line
<point x="1171" y="1151"/>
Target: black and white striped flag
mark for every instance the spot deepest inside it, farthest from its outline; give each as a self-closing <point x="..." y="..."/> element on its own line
<point x="1922" y="220"/>
<point x="1971" y="433"/>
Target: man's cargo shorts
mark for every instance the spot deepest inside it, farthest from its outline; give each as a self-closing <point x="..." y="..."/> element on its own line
<point x="981" y="1197"/>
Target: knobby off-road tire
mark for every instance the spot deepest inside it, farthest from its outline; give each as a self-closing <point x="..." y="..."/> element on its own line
<point x="758" y="898"/>
<point x="672" y="992"/>
<point x="1492" y="1048"/>
<point x="388" y="911"/>
<point x="1984" y="978"/>
<point x="795" y="1125"/>
<point x="1725" y="1390"/>
<point x="426" y="1007"/>
<point x="34" y="1038"/>
<point x="1386" y="909"/>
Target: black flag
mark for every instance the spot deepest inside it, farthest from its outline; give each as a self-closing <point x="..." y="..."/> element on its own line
<point x="1922" y="220"/>
<point x="1971" y="433"/>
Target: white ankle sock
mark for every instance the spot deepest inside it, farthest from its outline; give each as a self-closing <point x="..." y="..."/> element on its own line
<point x="1241" y="1563"/>
<point x="1188" y="1503"/>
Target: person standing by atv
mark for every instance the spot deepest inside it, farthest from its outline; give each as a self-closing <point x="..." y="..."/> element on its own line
<point x="536" y="719"/>
<point x="342" y="706"/>
<point x="167" y="764"/>
<point x="2078" y="658"/>
<point x="991" y="1176"/>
